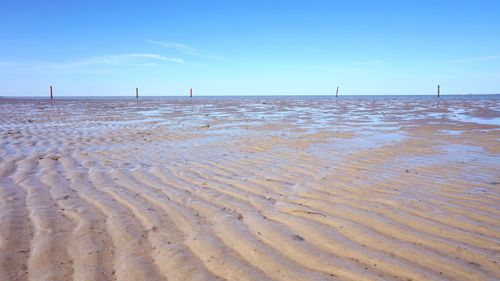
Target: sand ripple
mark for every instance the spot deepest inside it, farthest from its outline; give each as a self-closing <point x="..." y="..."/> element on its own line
<point x="250" y="189"/>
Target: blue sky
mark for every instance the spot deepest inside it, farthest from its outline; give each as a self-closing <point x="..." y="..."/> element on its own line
<point x="249" y="47"/>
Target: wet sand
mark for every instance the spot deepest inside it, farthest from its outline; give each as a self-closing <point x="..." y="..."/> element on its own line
<point x="250" y="189"/>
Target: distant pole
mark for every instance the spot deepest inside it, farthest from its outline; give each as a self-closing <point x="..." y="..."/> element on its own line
<point x="337" y="94"/>
<point x="439" y="90"/>
<point x="51" y="97"/>
<point x="191" y="92"/>
<point x="136" y="93"/>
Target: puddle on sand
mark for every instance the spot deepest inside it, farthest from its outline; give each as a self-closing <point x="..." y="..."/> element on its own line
<point x="154" y="112"/>
<point x="451" y="132"/>
<point x="366" y="140"/>
<point x="477" y="120"/>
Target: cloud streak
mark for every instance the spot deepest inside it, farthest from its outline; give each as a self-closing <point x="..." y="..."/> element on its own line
<point x="188" y="50"/>
<point x="475" y="59"/>
<point x="116" y="60"/>
<point x="131" y="59"/>
<point x="177" y="46"/>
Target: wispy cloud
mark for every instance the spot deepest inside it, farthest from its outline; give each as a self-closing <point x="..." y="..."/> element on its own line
<point x="116" y="60"/>
<point x="188" y="50"/>
<point x="475" y="59"/>
<point x="106" y="61"/>
<point x="177" y="46"/>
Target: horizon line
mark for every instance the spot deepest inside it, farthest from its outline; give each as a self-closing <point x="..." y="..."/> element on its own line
<point x="247" y="95"/>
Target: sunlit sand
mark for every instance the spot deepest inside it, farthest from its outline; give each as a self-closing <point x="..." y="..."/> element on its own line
<point x="312" y="188"/>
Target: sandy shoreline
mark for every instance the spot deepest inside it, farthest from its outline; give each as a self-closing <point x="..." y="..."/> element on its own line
<point x="250" y="189"/>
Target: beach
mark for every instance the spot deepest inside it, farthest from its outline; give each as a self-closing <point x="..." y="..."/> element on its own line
<point x="250" y="188"/>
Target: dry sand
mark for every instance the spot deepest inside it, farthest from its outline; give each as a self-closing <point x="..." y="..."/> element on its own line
<point x="250" y="189"/>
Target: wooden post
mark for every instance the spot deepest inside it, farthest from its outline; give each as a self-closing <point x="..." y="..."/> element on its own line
<point x="191" y="92"/>
<point x="136" y="93"/>
<point x="439" y="90"/>
<point x="337" y="94"/>
<point x="51" y="97"/>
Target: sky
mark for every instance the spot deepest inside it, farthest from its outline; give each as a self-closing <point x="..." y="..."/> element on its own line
<point x="108" y="48"/>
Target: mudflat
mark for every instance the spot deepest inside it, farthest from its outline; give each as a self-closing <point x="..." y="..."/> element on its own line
<point x="271" y="188"/>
